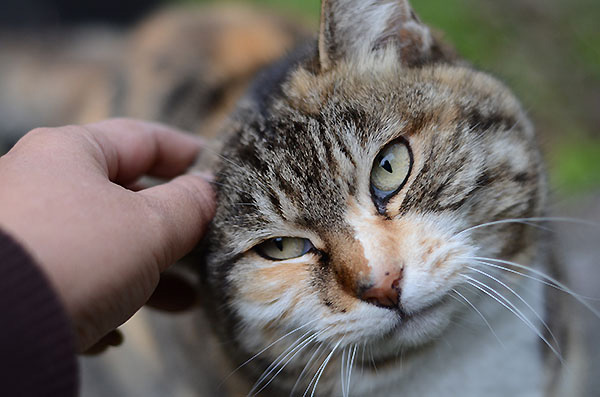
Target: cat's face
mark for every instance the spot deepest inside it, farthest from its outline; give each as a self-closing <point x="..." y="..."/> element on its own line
<point x="343" y="201"/>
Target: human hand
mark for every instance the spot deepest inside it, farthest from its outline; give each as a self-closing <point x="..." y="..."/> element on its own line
<point x="102" y="245"/>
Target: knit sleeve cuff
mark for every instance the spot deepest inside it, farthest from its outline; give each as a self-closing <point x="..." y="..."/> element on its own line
<point x="37" y="343"/>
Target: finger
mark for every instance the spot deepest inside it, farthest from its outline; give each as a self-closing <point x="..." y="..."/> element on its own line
<point x="184" y="207"/>
<point x="132" y="148"/>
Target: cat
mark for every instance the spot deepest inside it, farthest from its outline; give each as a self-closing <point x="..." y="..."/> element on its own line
<point x="370" y="188"/>
<point x="354" y="251"/>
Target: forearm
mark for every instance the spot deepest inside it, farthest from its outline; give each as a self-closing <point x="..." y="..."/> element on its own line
<point x="37" y="342"/>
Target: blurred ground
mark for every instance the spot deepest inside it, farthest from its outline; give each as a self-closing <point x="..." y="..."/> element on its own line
<point x="579" y="248"/>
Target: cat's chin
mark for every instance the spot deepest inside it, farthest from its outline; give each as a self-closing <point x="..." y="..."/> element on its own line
<point x="415" y="329"/>
<point x="425" y="323"/>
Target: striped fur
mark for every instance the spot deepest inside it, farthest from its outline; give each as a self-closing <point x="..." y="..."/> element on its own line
<point x="296" y="162"/>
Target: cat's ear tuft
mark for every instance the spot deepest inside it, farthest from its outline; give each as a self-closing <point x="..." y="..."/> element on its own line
<point x="351" y="28"/>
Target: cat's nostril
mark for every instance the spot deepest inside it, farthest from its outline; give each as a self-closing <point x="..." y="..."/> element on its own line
<point x="385" y="293"/>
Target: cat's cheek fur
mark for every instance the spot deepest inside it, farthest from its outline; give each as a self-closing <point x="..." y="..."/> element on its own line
<point x="267" y="292"/>
<point x="273" y="298"/>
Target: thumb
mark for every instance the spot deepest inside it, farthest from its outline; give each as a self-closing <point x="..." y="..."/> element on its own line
<point x="184" y="207"/>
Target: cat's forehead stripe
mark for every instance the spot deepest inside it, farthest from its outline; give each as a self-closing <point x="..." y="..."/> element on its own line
<point x="311" y="165"/>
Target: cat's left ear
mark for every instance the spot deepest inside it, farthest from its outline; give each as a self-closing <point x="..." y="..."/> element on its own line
<point x="351" y="28"/>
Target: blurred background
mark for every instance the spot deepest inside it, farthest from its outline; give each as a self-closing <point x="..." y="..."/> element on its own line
<point x="548" y="51"/>
<point x="65" y="61"/>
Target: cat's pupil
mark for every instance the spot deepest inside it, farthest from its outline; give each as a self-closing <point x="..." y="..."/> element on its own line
<point x="386" y="165"/>
<point x="279" y="243"/>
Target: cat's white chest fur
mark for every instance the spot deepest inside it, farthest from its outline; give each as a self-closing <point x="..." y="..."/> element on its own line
<point x="468" y="360"/>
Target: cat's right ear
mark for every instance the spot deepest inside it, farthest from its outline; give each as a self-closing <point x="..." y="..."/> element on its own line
<point x="350" y="29"/>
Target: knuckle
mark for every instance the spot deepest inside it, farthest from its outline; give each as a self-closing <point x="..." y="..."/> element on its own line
<point x="44" y="137"/>
<point x="126" y="124"/>
<point x="40" y="131"/>
<point x="122" y="122"/>
<point x="47" y="134"/>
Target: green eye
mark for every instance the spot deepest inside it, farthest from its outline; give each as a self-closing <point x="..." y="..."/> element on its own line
<point x="391" y="169"/>
<point x="282" y="248"/>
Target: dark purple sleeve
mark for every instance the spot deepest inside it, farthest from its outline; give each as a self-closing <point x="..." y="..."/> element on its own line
<point x="37" y="352"/>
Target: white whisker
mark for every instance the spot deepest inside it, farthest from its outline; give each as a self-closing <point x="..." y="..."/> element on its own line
<point x="345" y="371"/>
<point x="219" y="155"/>
<point x="350" y="370"/>
<point x="321" y="370"/>
<point x="373" y="360"/>
<point x="520" y="298"/>
<point x="245" y="204"/>
<point x="276" y="362"/>
<point x="265" y="349"/>
<point x="513" y="309"/>
<point x="342" y="369"/>
<point x="297" y="350"/>
<point x="480" y="315"/>
<point x="557" y="284"/>
<point x="306" y="367"/>
<point x="523" y="275"/>
<point x="527" y="222"/>
<point x="362" y="361"/>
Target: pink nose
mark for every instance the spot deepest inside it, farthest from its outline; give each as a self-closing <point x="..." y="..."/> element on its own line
<point x="385" y="292"/>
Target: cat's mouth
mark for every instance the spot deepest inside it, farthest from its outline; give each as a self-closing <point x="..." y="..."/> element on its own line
<point x="405" y="314"/>
<point x="411" y="315"/>
<point x="413" y="331"/>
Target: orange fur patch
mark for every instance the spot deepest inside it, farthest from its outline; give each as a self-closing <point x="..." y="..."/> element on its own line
<point x="277" y="281"/>
<point x="349" y="261"/>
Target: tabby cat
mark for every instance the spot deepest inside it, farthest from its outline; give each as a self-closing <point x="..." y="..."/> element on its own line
<point x="370" y="185"/>
<point x="367" y="239"/>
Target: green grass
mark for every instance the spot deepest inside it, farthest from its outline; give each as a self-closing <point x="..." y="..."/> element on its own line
<point x="581" y="24"/>
<point x="575" y="165"/>
<point x="587" y="44"/>
<point x="462" y="25"/>
<point x="307" y="7"/>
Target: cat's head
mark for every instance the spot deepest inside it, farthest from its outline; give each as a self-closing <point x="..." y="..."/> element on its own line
<point x="346" y="191"/>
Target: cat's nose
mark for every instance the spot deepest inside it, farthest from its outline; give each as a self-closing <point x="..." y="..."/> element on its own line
<point x="384" y="292"/>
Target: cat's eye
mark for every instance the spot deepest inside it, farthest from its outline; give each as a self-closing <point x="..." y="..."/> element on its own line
<point x="391" y="169"/>
<point x="282" y="248"/>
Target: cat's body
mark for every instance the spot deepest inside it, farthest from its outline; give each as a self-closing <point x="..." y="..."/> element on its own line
<point x="378" y="301"/>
